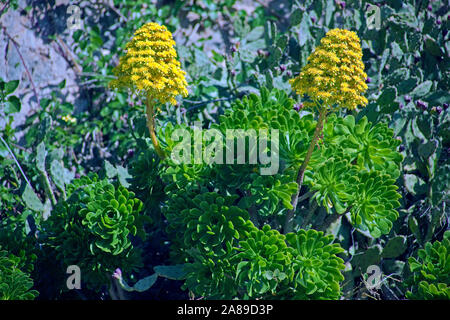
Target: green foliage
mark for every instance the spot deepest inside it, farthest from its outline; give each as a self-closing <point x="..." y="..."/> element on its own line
<point x="376" y="186"/>
<point x="373" y="202"/>
<point x="16" y="237"/>
<point x="14" y="284"/>
<point x="9" y="103"/>
<point x="371" y="147"/>
<point x="264" y="263"/>
<point x="317" y="268"/>
<point x="329" y="184"/>
<point x="213" y="226"/>
<point x="430" y="278"/>
<point x="92" y="229"/>
<point x="111" y="217"/>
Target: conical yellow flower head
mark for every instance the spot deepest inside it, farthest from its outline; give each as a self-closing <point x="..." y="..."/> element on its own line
<point x="334" y="73"/>
<point x="151" y="64"/>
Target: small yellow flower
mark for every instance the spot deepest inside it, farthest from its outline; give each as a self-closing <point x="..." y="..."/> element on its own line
<point x="69" y="119"/>
<point x="151" y="65"/>
<point x="334" y="74"/>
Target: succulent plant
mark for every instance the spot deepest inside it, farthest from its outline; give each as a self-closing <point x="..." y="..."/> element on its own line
<point x="371" y="147"/>
<point x="14" y="284"/>
<point x="329" y="184"/>
<point x="110" y="217"/>
<point x="92" y="229"/>
<point x="269" y="194"/>
<point x="264" y="263"/>
<point x="430" y="271"/>
<point x="317" y="268"/>
<point x="373" y="202"/>
<point x="212" y="225"/>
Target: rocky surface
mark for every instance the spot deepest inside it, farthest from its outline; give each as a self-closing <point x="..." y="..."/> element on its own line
<point x="31" y="28"/>
<point x="42" y="57"/>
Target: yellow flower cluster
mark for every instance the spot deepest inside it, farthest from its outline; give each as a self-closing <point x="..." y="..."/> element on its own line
<point x="69" y="119"/>
<point x="151" y="64"/>
<point x="334" y="74"/>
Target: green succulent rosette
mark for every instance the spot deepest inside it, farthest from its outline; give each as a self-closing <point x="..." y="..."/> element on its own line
<point x="264" y="261"/>
<point x="110" y="219"/>
<point x="14" y="284"/>
<point x="92" y="229"/>
<point x="317" y="268"/>
<point x="430" y="272"/>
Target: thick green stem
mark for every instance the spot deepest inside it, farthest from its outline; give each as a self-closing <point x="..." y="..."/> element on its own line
<point x="150" y="112"/>
<point x="289" y="222"/>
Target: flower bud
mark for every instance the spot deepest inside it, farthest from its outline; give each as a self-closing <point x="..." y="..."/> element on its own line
<point x="117" y="274"/>
<point x="262" y="53"/>
<point x="368" y="80"/>
<point x="445" y="105"/>
<point x="421" y="105"/>
<point x="439" y="110"/>
<point x="298" y="106"/>
<point x="408" y="99"/>
<point x="341" y="4"/>
<point x="282" y="68"/>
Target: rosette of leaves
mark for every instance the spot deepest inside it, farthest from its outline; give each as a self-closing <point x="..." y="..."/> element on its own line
<point x="210" y="276"/>
<point x="316" y="266"/>
<point x="246" y="113"/>
<point x="273" y="110"/>
<point x="295" y="140"/>
<point x="264" y="263"/>
<point x="328" y="182"/>
<point x="146" y="182"/>
<point x="371" y="147"/>
<point x="430" y="271"/>
<point x="211" y="225"/>
<point x="189" y="171"/>
<point x="14" y="284"/>
<point x="111" y="217"/>
<point x="91" y="229"/>
<point x="178" y="200"/>
<point x="373" y="202"/>
<point x="214" y="223"/>
<point x="269" y="194"/>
